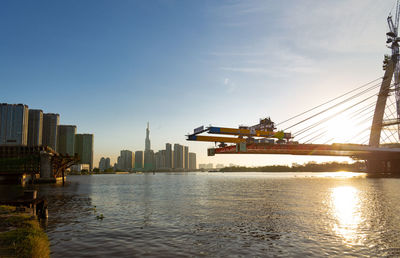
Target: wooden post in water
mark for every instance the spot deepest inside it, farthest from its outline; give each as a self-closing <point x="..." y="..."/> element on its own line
<point x="63" y="179"/>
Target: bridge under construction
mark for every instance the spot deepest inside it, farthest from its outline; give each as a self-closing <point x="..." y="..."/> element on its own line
<point x="312" y="132"/>
<point x="33" y="164"/>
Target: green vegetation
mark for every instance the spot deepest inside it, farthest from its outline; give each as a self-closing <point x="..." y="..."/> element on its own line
<point x="308" y="167"/>
<point x="21" y="235"/>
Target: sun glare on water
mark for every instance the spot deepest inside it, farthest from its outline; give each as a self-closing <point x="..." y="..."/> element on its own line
<point x="342" y="174"/>
<point x="347" y="212"/>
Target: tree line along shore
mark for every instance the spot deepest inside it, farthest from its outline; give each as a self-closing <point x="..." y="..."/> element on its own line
<point x="358" y="166"/>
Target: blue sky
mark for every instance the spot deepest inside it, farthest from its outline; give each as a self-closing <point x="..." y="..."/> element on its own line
<point x="110" y="66"/>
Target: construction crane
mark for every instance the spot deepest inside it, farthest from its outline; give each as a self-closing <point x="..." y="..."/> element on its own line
<point x="264" y="133"/>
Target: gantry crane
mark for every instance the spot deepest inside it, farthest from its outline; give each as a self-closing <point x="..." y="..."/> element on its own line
<point x="263" y="132"/>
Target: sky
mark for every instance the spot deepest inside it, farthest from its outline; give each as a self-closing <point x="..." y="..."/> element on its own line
<point x="110" y="67"/>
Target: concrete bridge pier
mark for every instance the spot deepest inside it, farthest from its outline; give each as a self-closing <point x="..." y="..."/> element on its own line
<point x="379" y="166"/>
<point x="46" y="168"/>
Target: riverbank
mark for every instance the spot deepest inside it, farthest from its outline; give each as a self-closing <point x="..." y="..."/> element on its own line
<point x="358" y="166"/>
<point x="21" y="235"/>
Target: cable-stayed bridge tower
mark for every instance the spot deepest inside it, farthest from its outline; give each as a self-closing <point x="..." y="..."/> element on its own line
<point x="339" y="127"/>
<point x="392" y="72"/>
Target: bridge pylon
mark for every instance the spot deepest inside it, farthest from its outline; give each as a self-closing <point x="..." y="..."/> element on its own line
<point x="376" y="164"/>
<point x="377" y="121"/>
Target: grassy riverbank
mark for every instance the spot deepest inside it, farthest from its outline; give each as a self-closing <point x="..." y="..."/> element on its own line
<point x="21" y="235"/>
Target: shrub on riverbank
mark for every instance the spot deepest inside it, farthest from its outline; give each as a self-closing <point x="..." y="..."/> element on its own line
<point x="21" y="234"/>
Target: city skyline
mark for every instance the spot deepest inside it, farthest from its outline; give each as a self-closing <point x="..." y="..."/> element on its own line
<point x="177" y="159"/>
<point x="24" y="127"/>
<point x="97" y="69"/>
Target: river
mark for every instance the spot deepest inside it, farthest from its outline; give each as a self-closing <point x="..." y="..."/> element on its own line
<point x="224" y="214"/>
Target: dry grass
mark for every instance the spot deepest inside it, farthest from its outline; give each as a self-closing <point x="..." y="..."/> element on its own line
<point x="22" y="235"/>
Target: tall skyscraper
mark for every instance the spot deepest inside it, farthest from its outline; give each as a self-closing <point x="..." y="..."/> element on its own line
<point x="162" y="159"/>
<point x="66" y="139"/>
<point x="168" y="156"/>
<point x="159" y="157"/>
<point x="186" y="156"/>
<point x="35" y="127"/>
<point x="119" y="164"/>
<point x="49" y="133"/>
<point x="84" y="148"/>
<point x="126" y="160"/>
<point x="102" y="164"/>
<point x="149" y="162"/>
<point x="192" y="161"/>
<point x="13" y="124"/>
<point x="147" y="141"/>
<point x="108" y="163"/>
<point x="178" y="156"/>
<point x="139" y="159"/>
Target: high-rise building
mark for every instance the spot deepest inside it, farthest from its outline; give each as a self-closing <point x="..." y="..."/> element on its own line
<point x="35" y="127"/>
<point x="139" y="160"/>
<point x="102" y="164"/>
<point x="219" y="166"/>
<point x="179" y="161"/>
<point x="149" y="162"/>
<point x="108" y="163"/>
<point x="49" y="133"/>
<point x="169" y="158"/>
<point x="206" y="166"/>
<point x="84" y="148"/>
<point x="13" y="124"/>
<point x="147" y="141"/>
<point x="186" y="156"/>
<point x="160" y="159"/>
<point x="157" y="159"/>
<point x="119" y="163"/>
<point x="66" y="139"/>
<point x="192" y="161"/>
<point x="126" y="160"/>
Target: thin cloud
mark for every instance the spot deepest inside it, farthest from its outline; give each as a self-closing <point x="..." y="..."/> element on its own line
<point x="229" y="85"/>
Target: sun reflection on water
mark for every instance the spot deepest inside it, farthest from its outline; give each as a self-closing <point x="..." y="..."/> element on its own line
<point x="342" y="174"/>
<point x="347" y="212"/>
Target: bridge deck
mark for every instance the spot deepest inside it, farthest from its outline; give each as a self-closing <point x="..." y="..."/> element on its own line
<point x="350" y="150"/>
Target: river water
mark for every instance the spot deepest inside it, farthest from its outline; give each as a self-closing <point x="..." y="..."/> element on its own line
<point x="224" y="214"/>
